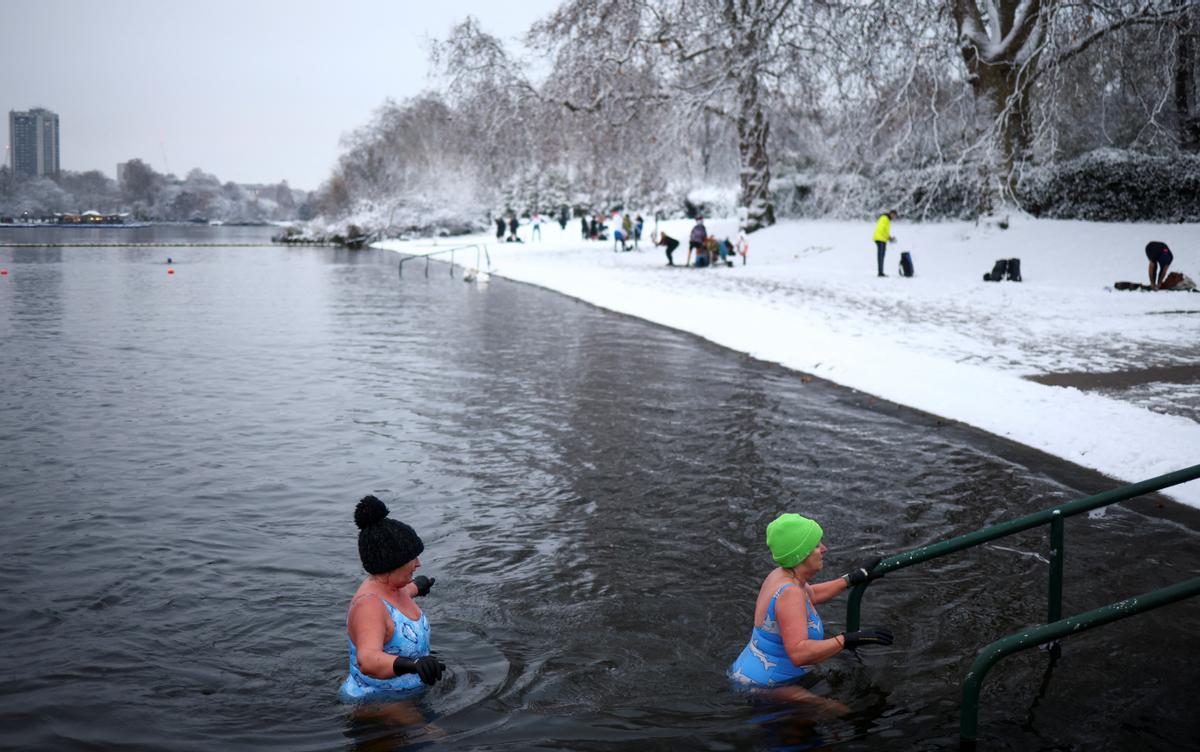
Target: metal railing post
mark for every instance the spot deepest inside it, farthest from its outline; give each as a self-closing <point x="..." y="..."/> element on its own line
<point x="854" y="607"/>
<point x="1057" y="554"/>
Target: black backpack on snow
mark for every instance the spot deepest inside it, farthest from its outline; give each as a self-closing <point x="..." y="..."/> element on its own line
<point x="906" y="264"/>
<point x="997" y="272"/>
<point x="1005" y="267"/>
<point x="1014" y="270"/>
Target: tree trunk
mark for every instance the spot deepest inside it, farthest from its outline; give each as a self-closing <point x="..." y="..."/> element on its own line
<point x="749" y="19"/>
<point x="753" y="129"/>
<point x="1003" y="112"/>
<point x="1185" y="85"/>
<point x="998" y="71"/>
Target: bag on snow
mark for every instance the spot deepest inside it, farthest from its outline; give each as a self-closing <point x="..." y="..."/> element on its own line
<point x="906" y="264"/>
<point x="1014" y="270"/>
<point x="997" y="272"/>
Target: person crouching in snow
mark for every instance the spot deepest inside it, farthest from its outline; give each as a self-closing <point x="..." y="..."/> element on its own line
<point x="670" y="243"/>
<point x="1160" y="260"/>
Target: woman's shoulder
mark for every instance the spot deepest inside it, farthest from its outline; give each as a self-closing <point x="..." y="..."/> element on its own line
<point x="774" y="581"/>
<point x="367" y="595"/>
<point x="779" y="583"/>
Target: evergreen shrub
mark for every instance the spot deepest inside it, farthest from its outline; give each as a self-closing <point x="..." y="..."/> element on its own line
<point x="1115" y="186"/>
<point x="1106" y="185"/>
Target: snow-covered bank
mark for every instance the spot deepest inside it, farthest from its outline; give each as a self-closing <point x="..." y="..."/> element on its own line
<point x="945" y="341"/>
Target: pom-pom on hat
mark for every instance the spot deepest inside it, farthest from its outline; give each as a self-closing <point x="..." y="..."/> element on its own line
<point x="792" y="538"/>
<point x="383" y="544"/>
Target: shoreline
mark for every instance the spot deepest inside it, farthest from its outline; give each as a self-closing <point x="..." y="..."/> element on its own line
<point x="812" y="308"/>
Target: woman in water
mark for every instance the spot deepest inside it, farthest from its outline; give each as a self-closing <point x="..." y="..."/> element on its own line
<point x="388" y="633"/>
<point x="788" y="636"/>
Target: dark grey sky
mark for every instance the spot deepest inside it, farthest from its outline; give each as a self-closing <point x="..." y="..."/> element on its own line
<point x="250" y="90"/>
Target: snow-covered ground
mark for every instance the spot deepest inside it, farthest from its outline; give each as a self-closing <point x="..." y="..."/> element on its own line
<point x="944" y="341"/>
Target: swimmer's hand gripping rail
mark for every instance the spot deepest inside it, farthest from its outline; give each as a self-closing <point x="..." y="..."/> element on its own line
<point x="1056" y="626"/>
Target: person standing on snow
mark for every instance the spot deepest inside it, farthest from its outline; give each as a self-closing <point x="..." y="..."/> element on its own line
<point x="638" y="223"/>
<point x="696" y="240"/>
<point x="513" y="224"/>
<point x="499" y="229"/>
<point x="743" y="247"/>
<point x="883" y="235"/>
<point x="536" y="224"/>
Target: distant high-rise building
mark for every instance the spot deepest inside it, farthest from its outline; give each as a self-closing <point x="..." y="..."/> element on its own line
<point x="33" y="142"/>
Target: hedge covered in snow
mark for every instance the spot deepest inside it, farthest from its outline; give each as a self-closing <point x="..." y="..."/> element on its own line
<point x="1115" y="186"/>
<point x="1104" y="185"/>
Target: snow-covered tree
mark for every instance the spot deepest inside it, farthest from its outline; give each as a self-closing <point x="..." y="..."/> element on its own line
<point x="1008" y="46"/>
<point x="692" y="59"/>
<point x="1184" y="75"/>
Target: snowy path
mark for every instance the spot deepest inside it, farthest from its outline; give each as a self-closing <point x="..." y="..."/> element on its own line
<point x="945" y="341"/>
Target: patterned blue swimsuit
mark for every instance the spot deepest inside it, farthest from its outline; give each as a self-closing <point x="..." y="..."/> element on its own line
<point x="764" y="662"/>
<point x="409" y="638"/>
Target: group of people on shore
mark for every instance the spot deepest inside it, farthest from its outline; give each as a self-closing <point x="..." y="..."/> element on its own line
<point x="1157" y="253"/>
<point x="388" y="634"/>
<point x="707" y="249"/>
<point x="627" y="235"/>
<point x="508" y="231"/>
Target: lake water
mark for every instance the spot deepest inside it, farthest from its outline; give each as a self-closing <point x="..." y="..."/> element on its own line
<point x="181" y="454"/>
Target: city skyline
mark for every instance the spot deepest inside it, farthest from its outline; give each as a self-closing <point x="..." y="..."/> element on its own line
<point x="253" y="93"/>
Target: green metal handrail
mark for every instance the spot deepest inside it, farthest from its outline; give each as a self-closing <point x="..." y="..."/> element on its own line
<point x="1056" y="626"/>
<point x="480" y="248"/>
<point x="989" y="656"/>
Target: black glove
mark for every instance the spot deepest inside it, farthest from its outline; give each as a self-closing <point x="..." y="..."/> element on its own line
<point x="427" y="667"/>
<point x="872" y="636"/>
<point x="423" y="584"/>
<point x="862" y="573"/>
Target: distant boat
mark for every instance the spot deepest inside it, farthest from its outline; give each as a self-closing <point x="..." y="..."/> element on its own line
<point x="215" y="223"/>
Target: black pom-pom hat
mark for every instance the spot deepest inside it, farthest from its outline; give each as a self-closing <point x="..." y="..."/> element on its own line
<point x="384" y="544"/>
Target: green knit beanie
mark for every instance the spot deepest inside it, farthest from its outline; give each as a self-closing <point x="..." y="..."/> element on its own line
<point x="792" y="538"/>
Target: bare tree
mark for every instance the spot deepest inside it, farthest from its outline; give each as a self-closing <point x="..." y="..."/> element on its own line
<point x="1008" y="45"/>
<point x="697" y="58"/>
<point x="140" y="183"/>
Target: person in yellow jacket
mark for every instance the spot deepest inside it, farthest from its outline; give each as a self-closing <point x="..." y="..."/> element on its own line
<point x="883" y="235"/>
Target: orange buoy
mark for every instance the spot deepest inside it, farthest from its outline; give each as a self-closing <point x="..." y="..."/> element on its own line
<point x="170" y="271"/>
<point x="3" y="272"/>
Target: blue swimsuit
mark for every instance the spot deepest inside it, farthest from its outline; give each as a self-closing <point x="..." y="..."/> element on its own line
<point x="764" y="662"/>
<point x="409" y="638"/>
